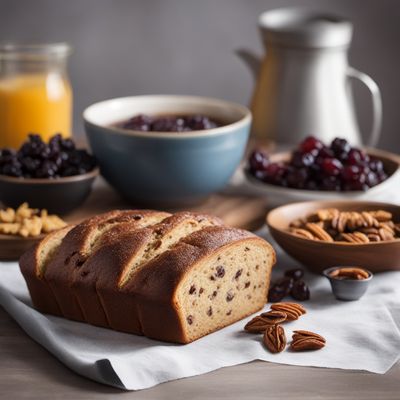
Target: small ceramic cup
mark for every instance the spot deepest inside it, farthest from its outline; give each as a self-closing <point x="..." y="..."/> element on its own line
<point x="347" y="289"/>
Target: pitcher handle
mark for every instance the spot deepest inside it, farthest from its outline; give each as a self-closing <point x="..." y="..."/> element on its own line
<point x="376" y="104"/>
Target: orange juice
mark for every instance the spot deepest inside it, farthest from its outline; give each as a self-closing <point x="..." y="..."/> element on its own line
<point x="34" y="103"/>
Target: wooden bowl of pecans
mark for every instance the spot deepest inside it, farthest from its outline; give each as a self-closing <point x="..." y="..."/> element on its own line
<point x="323" y="234"/>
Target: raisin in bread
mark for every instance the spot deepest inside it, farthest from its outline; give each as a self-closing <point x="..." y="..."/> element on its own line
<point x="170" y="277"/>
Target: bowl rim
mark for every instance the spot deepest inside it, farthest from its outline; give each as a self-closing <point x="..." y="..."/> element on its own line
<point x="66" y="179"/>
<point x="347" y="195"/>
<point x="332" y="244"/>
<point x="221" y="130"/>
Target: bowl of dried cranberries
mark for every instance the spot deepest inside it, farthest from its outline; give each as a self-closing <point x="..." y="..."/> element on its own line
<point x="55" y="175"/>
<point x="167" y="151"/>
<point x="316" y="171"/>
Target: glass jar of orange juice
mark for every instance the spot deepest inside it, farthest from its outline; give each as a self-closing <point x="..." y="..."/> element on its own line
<point x="35" y="92"/>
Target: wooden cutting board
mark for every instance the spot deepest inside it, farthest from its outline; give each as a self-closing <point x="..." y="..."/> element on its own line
<point x="238" y="211"/>
<point x="235" y="210"/>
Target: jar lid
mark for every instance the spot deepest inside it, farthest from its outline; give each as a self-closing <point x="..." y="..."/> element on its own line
<point x="299" y="27"/>
<point x="31" y="52"/>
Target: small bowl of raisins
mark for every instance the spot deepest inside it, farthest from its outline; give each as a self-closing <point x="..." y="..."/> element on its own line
<point x="167" y="151"/>
<point x="55" y="175"/>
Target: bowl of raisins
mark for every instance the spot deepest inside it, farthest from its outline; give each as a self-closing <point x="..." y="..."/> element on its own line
<point x="317" y="171"/>
<point x="55" y="175"/>
<point x="167" y="151"/>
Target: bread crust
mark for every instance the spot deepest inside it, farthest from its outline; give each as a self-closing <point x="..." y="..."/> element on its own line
<point x="72" y="253"/>
<point x="42" y="296"/>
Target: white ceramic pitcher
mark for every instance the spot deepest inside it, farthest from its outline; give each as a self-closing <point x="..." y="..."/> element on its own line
<point x="303" y="84"/>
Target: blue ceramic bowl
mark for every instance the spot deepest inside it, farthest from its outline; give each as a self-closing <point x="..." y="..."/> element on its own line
<point x="167" y="168"/>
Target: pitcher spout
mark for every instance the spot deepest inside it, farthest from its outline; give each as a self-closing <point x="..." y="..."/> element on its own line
<point x="251" y="60"/>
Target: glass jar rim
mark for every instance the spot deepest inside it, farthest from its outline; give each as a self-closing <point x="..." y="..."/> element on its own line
<point x="32" y="51"/>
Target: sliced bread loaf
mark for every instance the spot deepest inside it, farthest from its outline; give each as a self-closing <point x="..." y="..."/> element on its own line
<point x="170" y="277"/>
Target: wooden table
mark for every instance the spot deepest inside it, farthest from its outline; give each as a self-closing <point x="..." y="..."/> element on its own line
<point x="28" y="371"/>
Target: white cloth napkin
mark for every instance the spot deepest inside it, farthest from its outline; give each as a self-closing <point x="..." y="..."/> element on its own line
<point x="361" y="335"/>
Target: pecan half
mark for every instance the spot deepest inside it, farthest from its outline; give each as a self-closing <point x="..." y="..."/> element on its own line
<point x="257" y="325"/>
<point x="374" y="237"/>
<point x="327" y="214"/>
<point x="274" y="338"/>
<point x="306" y="340"/>
<point x="355" y="238"/>
<point x="350" y="272"/>
<point x="319" y="232"/>
<point x="339" y="222"/>
<point x="303" y="233"/>
<point x="381" y="215"/>
<point x="361" y="237"/>
<point x="385" y="234"/>
<point x="274" y="316"/>
<point x="293" y="310"/>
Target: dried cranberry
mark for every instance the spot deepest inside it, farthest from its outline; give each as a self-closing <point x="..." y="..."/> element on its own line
<point x="357" y="157"/>
<point x="330" y="183"/>
<point x="300" y="159"/>
<point x="332" y="166"/>
<point x="258" y="161"/>
<point x="326" y="152"/>
<point x="340" y="146"/>
<point x="310" y="144"/>
<point x="297" y="178"/>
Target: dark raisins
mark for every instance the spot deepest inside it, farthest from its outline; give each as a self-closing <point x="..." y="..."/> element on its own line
<point x="276" y="294"/>
<point x="192" y="289"/>
<point x="230" y="295"/>
<point x="284" y="284"/>
<point x="247" y="284"/>
<point x="238" y="273"/>
<point x="209" y="312"/>
<point x="296" y="273"/>
<point x="213" y="295"/>
<point x="220" y="272"/>
<point x="189" y="319"/>
<point x="300" y="291"/>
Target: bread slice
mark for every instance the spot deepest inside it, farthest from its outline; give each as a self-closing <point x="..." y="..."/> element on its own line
<point x="212" y="278"/>
<point x="77" y="246"/>
<point x="33" y="264"/>
<point x="116" y="262"/>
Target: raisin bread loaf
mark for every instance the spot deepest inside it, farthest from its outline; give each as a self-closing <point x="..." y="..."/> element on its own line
<point x="170" y="277"/>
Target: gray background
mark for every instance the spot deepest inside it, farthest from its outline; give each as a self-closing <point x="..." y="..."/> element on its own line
<point x="134" y="47"/>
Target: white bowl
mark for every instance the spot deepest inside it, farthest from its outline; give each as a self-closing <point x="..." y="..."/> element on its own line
<point x="278" y="195"/>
